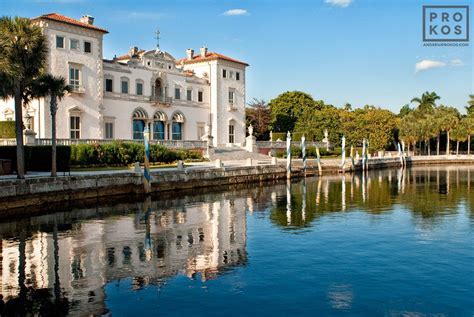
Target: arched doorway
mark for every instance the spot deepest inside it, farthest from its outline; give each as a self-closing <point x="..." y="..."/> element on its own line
<point x="139" y="120"/>
<point x="159" y="121"/>
<point x="177" y="126"/>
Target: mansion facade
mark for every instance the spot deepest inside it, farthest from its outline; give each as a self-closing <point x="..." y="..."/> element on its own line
<point x="177" y="99"/>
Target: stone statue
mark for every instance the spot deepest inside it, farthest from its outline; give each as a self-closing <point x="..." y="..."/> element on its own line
<point x="250" y="130"/>
<point x="207" y="130"/>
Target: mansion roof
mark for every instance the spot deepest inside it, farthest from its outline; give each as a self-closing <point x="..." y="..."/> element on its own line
<point x="64" y="19"/>
<point x="210" y="56"/>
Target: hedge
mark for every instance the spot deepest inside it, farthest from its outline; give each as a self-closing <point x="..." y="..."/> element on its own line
<point x="38" y="158"/>
<point x="7" y="129"/>
<point x="125" y="153"/>
<point x="310" y="152"/>
<point x="295" y="136"/>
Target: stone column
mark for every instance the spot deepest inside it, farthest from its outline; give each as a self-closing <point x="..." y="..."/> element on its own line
<point x="29" y="137"/>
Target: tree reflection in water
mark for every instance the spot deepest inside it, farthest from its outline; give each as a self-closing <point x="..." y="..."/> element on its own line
<point x="426" y="192"/>
<point x="58" y="264"/>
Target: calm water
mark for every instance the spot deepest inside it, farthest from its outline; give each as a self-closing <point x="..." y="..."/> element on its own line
<point x="391" y="244"/>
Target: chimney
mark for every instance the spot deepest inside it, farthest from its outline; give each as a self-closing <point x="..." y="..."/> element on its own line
<point x="88" y="19"/>
<point x="189" y="54"/>
<point x="203" y="51"/>
<point x="133" y="52"/>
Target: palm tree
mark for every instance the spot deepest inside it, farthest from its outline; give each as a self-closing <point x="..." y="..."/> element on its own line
<point x="468" y="122"/>
<point x="449" y="118"/>
<point x="23" y="51"/>
<point x="427" y="101"/>
<point x="470" y="106"/>
<point x="459" y="134"/>
<point x="56" y="88"/>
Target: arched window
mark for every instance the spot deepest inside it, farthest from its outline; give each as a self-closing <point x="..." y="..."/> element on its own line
<point x="139" y="119"/>
<point x="177" y="126"/>
<point x="159" y="120"/>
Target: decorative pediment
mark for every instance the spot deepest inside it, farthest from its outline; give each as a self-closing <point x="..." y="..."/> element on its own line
<point x="75" y="110"/>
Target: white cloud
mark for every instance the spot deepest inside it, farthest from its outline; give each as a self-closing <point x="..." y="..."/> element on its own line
<point x="234" y="12"/>
<point x="339" y="3"/>
<point x="428" y="64"/>
<point x="456" y="62"/>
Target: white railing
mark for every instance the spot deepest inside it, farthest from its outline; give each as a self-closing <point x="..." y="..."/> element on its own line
<point x="161" y="99"/>
<point x="7" y="142"/>
<point x="177" y="144"/>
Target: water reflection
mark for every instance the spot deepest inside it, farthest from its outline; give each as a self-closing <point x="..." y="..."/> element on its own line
<point x="59" y="263"/>
<point x="66" y="266"/>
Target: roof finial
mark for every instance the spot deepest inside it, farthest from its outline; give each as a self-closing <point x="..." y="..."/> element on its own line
<point x="157" y="37"/>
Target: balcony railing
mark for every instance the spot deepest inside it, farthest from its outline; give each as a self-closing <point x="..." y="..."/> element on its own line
<point x="78" y="89"/>
<point x="161" y="99"/>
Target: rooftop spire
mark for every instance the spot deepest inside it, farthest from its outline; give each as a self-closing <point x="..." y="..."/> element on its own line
<point x="157" y="37"/>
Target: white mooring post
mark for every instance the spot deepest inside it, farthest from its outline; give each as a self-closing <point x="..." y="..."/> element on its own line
<point x="352" y="158"/>
<point x="303" y="153"/>
<point x="343" y="149"/>
<point x="318" y="160"/>
<point x="288" y="155"/>
<point x="363" y="155"/>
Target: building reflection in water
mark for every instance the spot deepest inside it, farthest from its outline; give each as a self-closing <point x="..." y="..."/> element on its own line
<point x="71" y="263"/>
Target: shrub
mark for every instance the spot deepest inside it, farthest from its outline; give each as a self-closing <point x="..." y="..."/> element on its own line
<point x="125" y="153"/>
<point x="38" y="158"/>
<point x="7" y="129"/>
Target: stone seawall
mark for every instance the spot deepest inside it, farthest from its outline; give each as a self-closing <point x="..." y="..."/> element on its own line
<point x="36" y="192"/>
<point x="39" y="193"/>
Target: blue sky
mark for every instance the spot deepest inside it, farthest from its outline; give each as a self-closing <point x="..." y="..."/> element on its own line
<point x="356" y="51"/>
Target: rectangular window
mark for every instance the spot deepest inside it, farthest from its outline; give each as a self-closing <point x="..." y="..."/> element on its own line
<point x="177" y="93"/>
<point x="231" y="133"/>
<point x="87" y="47"/>
<point x="124" y="87"/>
<point x="75" y="127"/>
<point x="231" y="96"/>
<point x="139" y="89"/>
<point x="59" y="41"/>
<point x="189" y="94"/>
<point x="109" y="85"/>
<point x="231" y="75"/>
<point x="200" y="96"/>
<point x="74" y="44"/>
<point x="224" y="73"/>
<point x="109" y="130"/>
<point x="75" y="77"/>
<point x="237" y="76"/>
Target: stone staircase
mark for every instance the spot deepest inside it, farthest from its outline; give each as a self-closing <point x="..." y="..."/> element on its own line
<point x="236" y="154"/>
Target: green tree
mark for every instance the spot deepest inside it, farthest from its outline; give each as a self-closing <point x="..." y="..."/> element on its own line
<point x="405" y="110"/>
<point x="56" y="88"/>
<point x="287" y="108"/>
<point x="428" y="129"/>
<point x="459" y="134"/>
<point x="23" y="51"/>
<point x="470" y="106"/>
<point x="449" y="117"/>
<point x="376" y="124"/>
<point x="468" y="122"/>
<point x="427" y="102"/>
<point x="409" y="130"/>
<point x="314" y="121"/>
<point x="258" y="115"/>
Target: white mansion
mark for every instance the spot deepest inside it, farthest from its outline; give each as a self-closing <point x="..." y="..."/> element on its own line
<point x="116" y="99"/>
